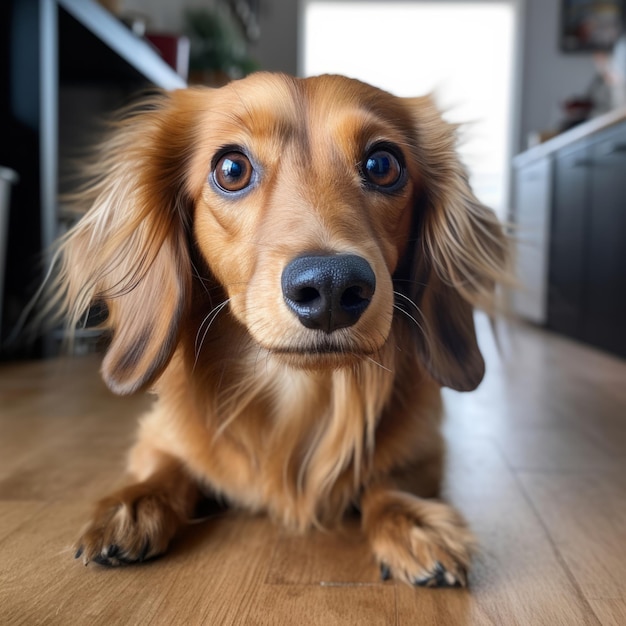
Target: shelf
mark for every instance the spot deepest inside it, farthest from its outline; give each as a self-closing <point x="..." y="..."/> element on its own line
<point x="94" y="46"/>
<point x="64" y="65"/>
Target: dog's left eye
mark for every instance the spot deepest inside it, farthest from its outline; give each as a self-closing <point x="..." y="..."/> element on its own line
<point x="233" y="172"/>
<point x="382" y="168"/>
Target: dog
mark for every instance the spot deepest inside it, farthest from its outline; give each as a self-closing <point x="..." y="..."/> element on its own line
<point x="291" y="266"/>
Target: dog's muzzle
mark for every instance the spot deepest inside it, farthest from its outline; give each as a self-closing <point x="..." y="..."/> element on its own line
<point x="327" y="292"/>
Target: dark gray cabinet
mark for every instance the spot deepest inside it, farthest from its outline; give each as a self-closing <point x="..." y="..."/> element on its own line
<point x="587" y="260"/>
<point x="566" y="274"/>
<point x="605" y="277"/>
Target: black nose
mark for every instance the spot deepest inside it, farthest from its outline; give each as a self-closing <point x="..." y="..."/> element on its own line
<point x="328" y="292"/>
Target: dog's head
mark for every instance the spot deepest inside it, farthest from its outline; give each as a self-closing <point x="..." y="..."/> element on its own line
<point x="323" y="208"/>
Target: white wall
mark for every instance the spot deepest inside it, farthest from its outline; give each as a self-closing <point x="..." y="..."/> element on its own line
<point x="548" y="75"/>
<point x="277" y="50"/>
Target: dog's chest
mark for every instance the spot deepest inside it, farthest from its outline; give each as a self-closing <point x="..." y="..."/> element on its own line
<point x="298" y="444"/>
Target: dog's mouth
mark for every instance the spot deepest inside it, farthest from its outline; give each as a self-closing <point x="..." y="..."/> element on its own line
<point x="323" y="352"/>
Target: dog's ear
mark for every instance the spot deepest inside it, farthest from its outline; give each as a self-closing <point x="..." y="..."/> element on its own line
<point x="458" y="254"/>
<point x="130" y="251"/>
<point x="145" y="319"/>
<point x="446" y="337"/>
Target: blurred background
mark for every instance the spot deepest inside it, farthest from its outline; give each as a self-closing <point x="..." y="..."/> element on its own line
<point x="537" y="84"/>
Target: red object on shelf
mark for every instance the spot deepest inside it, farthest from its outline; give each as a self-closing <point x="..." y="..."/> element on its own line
<point x="174" y="49"/>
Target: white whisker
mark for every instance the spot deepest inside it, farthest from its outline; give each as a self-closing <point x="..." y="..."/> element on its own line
<point x="210" y="318"/>
<point x="375" y="362"/>
<point x="196" y="273"/>
<point x="399" y="308"/>
<point x="398" y="293"/>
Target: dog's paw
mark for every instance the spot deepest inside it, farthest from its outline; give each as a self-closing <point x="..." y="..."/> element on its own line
<point x="133" y="525"/>
<point x="421" y="542"/>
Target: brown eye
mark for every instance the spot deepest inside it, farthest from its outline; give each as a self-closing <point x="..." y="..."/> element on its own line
<point x="233" y="172"/>
<point x="382" y="169"/>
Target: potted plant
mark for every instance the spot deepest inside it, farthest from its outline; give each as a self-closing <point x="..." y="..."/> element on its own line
<point x="219" y="46"/>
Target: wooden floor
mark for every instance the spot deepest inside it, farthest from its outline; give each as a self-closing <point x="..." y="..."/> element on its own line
<point x="537" y="463"/>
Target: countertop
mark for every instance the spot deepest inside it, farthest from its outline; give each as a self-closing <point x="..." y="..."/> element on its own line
<point x="582" y="131"/>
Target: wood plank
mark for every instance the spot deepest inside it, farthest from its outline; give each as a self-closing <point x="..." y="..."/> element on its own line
<point x="443" y="607"/>
<point x="51" y="437"/>
<point x="610" y="612"/>
<point x="217" y="570"/>
<point x="324" y="558"/>
<point x="309" y="605"/>
<point x="552" y="539"/>
<point x="208" y="577"/>
<point x="40" y="581"/>
<point x="14" y="514"/>
<point x="554" y="449"/>
<point x="517" y="577"/>
<point x="551" y="403"/>
<point x="586" y="518"/>
<point x="49" y="473"/>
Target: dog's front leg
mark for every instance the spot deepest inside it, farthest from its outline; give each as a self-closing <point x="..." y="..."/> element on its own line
<point x="420" y="541"/>
<point x="138" y="522"/>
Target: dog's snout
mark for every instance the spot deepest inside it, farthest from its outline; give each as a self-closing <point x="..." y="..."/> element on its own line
<point x="327" y="292"/>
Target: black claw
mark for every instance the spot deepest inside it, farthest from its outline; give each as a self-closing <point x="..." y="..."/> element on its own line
<point x="439" y="575"/>
<point x="79" y="552"/>
<point x="385" y="572"/>
<point x="113" y="550"/>
<point x="438" y="579"/>
<point x="422" y="582"/>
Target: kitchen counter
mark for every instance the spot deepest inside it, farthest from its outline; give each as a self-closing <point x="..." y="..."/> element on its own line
<point x="568" y="205"/>
<point x="563" y="140"/>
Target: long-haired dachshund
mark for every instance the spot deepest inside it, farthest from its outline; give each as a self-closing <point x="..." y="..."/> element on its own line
<point x="291" y="265"/>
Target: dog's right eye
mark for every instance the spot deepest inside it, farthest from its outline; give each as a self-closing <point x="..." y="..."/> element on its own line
<point x="233" y="172"/>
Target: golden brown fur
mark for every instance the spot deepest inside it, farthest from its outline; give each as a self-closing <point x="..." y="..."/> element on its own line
<point x="252" y="405"/>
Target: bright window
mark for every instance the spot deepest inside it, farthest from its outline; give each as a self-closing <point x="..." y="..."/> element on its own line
<point x="461" y="51"/>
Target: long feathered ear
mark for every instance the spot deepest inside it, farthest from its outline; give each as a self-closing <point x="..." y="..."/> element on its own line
<point x="458" y="255"/>
<point x="130" y="251"/>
